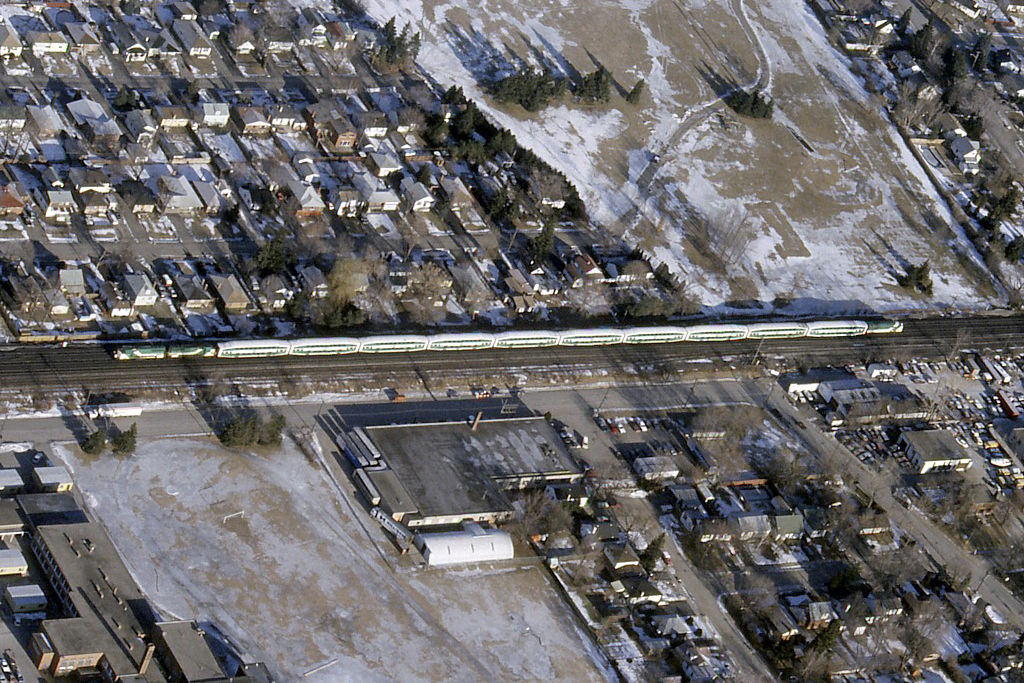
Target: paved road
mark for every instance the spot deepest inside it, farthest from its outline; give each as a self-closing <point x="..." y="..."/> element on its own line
<point x="91" y="367"/>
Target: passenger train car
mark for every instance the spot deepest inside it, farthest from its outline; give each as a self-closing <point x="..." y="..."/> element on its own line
<point x="520" y="339"/>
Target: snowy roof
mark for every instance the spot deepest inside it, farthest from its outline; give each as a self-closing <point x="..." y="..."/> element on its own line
<point x="473" y="544"/>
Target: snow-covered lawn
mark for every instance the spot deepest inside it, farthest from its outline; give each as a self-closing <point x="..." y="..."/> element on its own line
<point x="298" y="582"/>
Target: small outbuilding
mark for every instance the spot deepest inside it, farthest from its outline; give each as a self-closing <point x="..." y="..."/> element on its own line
<point x="12" y="563"/>
<point x="53" y="479"/>
<point x="22" y="599"/>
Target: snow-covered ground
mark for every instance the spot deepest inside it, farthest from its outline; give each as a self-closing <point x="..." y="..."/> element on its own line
<point x="830" y="202"/>
<point x="297" y="580"/>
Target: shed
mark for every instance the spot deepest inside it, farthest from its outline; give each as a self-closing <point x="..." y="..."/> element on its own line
<point x="52" y="479"/>
<point x="11" y="481"/>
<point x="472" y="544"/>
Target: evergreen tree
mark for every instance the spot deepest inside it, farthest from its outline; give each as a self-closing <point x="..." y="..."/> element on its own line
<point x="272" y="258"/>
<point x="465" y="122"/>
<point x="922" y="42"/>
<point x="595" y="86"/>
<point x="454" y="96"/>
<point x="634" y="95"/>
<point x="96" y="442"/>
<point x="126" y="99"/>
<point x="649" y="556"/>
<point x="904" y="23"/>
<point x="1015" y="249"/>
<point x="270" y="432"/>
<point x="123" y="443"/>
<point x="541" y="244"/>
<point x="532" y="90"/>
<point x="982" y="53"/>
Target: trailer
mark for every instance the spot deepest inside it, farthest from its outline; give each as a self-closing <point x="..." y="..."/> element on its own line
<point x="1009" y="408"/>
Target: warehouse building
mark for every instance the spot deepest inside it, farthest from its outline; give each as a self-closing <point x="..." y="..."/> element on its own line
<point x="446" y="473"/>
<point x="935" y="450"/>
<point x="472" y="544"/>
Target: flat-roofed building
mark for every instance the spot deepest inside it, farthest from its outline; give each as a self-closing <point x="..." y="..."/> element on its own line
<point x="52" y="479"/>
<point x="47" y="509"/>
<point x="12" y="563"/>
<point x="447" y="473"/>
<point x="186" y="656"/>
<point x="935" y="450"/>
<point x="12" y="524"/>
<point x="24" y="599"/>
<point x="10" y="481"/>
<point x="107" y="616"/>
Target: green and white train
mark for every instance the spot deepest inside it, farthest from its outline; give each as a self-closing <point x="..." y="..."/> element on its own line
<point x="523" y="339"/>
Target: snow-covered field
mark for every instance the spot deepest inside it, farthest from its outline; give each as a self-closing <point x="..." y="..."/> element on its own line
<point x="825" y="203"/>
<point x="297" y="581"/>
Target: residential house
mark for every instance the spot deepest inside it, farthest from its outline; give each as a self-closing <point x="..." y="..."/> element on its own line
<point x="817" y="614"/>
<point x="10" y="41"/>
<point x="382" y="164"/>
<point x="86" y="180"/>
<point x="277" y="40"/>
<point x="1013" y="85"/>
<point x="114" y="303"/>
<point x="346" y="201"/>
<point x="276" y="292"/>
<point x="229" y="293"/>
<point x="417" y="196"/>
<point x="185" y="11"/>
<point x="128" y="45"/>
<point x="96" y="122"/>
<point x="305" y="201"/>
<point x="12" y="118"/>
<point x="284" y="117"/>
<point x="622" y="557"/>
<point x="57" y="205"/>
<point x="313" y="282"/>
<point x="967" y="153"/>
<point x="140" y="290"/>
<point x="173" y="118"/>
<point x="160" y="44"/>
<point x="11" y="202"/>
<point x="243" y="48"/>
<point x="94" y="204"/>
<point x="45" y="120"/>
<point x="375" y="197"/>
<point x="213" y="114"/>
<point x="141" y="127"/>
<point x="193" y="295"/>
<point x="581" y="268"/>
<point x="312" y="27"/>
<point x="47" y="42"/>
<point x="84" y="38"/>
<point x="72" y="281"/>
<point x="573" y="495"/>
<point x="251" y="121"/>
<point x="177" y="196"/>
<point x="195" y="42"/>
<point x="213" y="201"/>
<point x="137" y="197"/>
